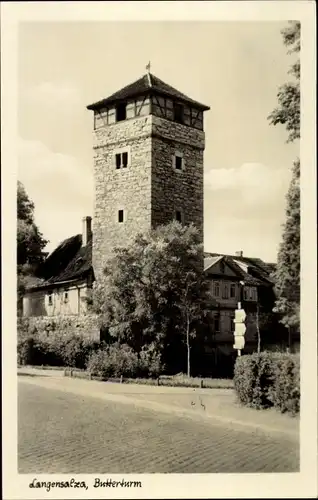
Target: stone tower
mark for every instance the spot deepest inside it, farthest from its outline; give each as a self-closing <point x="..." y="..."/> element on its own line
<point x="148" y="163"/>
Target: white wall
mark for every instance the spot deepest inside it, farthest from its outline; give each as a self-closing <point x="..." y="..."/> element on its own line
<point x="55" y="302"/>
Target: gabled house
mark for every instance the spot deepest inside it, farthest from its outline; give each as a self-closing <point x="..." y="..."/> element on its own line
<point x="235" y="279"/>
<point x="65" y="276"/>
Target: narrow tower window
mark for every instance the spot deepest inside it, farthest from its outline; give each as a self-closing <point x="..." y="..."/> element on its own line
<point x="178" y="162"/>
<point x="178" y="216"/>
<point x="120" y="216"/>
<point x="121" y="112"/>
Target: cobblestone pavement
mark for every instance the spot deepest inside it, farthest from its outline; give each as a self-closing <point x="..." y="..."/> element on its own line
<point x="61" y="432"/>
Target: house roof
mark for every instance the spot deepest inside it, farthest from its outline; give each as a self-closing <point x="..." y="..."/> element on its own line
<point x="246" y="277"/>
<point x="68" y="262"/>
<point x="258" y="273"/>
<point x="147" y="84"/>
<point x="210" y="261"/>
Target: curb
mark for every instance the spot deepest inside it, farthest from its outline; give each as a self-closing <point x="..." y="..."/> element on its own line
<point x="159" y="381"/>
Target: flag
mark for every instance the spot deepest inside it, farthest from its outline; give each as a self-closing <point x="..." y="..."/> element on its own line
<point x="148" y="66"/>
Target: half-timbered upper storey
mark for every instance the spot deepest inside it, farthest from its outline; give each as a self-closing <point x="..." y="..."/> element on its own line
<point x="148" y="95"/>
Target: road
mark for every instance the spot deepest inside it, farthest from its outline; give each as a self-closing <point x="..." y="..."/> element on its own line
<point x="61" y="432"/>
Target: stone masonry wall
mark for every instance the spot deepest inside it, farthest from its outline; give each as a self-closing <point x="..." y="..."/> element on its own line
<point x="149" y="190"/>
<point x="84" y="326"/>
<point x="127" y="189"/>
<point x="173" y="189"/>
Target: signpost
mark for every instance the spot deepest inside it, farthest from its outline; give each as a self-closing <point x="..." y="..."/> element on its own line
<point x="240" y="329"/>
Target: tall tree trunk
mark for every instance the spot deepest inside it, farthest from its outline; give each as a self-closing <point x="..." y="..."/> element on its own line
<point x="289" y="339"/>
<point x="257" y="328"/>
<point x="188" y="346"/>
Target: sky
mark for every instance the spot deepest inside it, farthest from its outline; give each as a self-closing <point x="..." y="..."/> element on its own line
<point x="233" y="67"/>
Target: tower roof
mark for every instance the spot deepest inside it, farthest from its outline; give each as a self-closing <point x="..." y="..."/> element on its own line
<point x="147" y="84"/>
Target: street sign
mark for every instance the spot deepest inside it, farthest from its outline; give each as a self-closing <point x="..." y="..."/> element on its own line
<point x="240" y="316"/>
<point x="239" y="342"/>
<point x="240" y="329"/>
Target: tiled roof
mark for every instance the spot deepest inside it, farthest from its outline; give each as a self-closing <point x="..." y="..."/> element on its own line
<point x="246" y="277"/>
<point x="258" y="268"/>
<point x="147" y="84"/>
<point x="259" y="272"/>
<point x="78" y="267"/>
<point x="69" y="261"/>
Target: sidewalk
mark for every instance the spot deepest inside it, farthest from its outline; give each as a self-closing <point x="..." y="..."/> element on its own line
<point x="219" y="406"/>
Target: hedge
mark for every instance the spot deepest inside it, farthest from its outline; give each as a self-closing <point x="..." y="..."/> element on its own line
<point x="120" y="360"/>
<point x="57" y="350"/>
<point x="284" y="394"/>
<point x="106" y="361"/>
<point x="114" y="361"/>
<point x="268" y="379"/>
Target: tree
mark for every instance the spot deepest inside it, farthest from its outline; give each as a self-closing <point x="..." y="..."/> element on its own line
<point x="153" y="291"/>
<point x="287" y="274"/>
<point x="30" y="242"/>
<point x="288" y="110"/>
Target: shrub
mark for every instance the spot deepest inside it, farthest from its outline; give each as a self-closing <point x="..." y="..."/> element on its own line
<point x="150" y="364"/>
<point x="252" y="377"/>
<point x="28" y="352"/>
<point x="285" y="391"/>
<point x="75" y="351"/>
<point x="98" y="364"/>
<point x="53" y="348"/>
<point x="268" y="379"/>
<point x="113" y="361"/>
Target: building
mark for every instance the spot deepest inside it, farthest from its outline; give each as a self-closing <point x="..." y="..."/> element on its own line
<point x="148" y="141"/>
<point x="238" y="279"/>
<point x="66" y="275"/>
<point x="148" y="163"/>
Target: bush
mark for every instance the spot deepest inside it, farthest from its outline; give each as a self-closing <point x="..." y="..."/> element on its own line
<point x="28" y="352"/>
<point x="98" y="363"/>
<point x="150" y="364"/>
<point x="75" y="351"/>
<point x="252" y="377"/>
<point x="285" y="391"/>
<point x="113" y="361"/>
<point x="268" y="379"/>
<point x="57" y="349"/>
